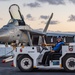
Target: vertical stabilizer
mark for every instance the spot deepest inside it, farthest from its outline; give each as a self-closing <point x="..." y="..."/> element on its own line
<point x="47" y="25"/>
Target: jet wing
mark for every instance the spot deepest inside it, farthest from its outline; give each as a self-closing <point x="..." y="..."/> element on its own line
<point x="34" y="32"/>
<point x="60" y="34"/>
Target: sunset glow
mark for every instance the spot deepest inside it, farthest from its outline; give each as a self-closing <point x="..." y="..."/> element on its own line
<point x="37" y="12"/>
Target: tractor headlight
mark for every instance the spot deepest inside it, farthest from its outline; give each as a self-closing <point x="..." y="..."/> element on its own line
<point x="70" y="48"/>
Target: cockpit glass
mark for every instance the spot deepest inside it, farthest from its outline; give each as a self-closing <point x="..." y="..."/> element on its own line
<point x="15" y="12"/>
<point x="10" y="21"/>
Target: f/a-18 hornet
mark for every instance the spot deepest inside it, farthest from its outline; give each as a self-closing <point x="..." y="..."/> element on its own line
<point x="16" y="29"/>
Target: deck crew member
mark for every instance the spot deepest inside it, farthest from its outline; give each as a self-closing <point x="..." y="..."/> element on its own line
<point x="56" y="49"/>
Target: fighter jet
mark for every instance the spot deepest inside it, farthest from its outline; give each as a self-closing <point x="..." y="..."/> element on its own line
<point x="16" y="29"/>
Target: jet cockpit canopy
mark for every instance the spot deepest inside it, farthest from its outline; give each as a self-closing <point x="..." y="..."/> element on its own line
<point x="15" y="14"/>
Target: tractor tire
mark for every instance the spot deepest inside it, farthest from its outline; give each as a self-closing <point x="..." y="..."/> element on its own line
<point x="25" y="63"/>
<point x="69" y="63"/>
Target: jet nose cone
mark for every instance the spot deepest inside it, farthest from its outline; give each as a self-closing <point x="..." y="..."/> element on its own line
<point x="4" y="38"/>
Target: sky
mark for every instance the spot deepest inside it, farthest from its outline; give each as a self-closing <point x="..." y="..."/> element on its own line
<point x="37" y="12"/>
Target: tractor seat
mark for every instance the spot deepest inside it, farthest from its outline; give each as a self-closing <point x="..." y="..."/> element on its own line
<point x="56" y="56"/>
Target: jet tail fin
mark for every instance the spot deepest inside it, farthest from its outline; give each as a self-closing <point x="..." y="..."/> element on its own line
<point x="41" y="39"/>
<point x="47" y="25"/>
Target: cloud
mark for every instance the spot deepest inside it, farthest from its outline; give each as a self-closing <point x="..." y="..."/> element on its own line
<point x="35" y="4"/>
<point x="71" y="18"/>
<point x="52" y="22"/>
<point x="53" y="2"/>
<point x="1" y="19"/>
<point x="43" y="22"/>
<point x="29" y="17"/>
<point x="44" y="17"/>
<point x="72" y="1"/>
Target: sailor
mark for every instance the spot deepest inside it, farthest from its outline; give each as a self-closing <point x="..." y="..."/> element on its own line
<point x="56" y="49"/>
